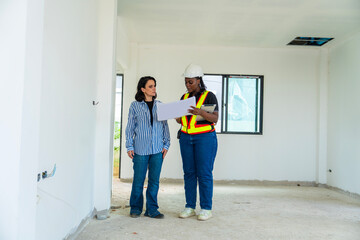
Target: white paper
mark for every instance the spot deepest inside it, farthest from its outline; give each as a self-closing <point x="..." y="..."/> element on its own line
<point x="177" y="109"/>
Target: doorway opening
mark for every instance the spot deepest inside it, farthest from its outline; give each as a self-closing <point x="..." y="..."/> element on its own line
<point x="118" y="125"/>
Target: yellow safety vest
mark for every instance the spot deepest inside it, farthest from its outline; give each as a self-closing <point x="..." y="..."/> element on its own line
<point x="193" y="127"/>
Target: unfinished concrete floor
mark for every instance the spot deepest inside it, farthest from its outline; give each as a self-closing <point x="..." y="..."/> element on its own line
<point x="239" y="212"/>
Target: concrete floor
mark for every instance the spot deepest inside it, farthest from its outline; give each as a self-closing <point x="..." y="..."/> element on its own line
<point x="239" y="212"/>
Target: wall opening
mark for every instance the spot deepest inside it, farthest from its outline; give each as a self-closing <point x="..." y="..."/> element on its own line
<point x="118" y="125"/>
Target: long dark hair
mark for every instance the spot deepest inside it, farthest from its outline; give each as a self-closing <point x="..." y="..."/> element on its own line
<point x="140" y="96"/>
<point x="202" y="84"/>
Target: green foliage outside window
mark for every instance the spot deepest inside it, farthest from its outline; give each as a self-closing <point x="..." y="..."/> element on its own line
<point x="117" y="133"/>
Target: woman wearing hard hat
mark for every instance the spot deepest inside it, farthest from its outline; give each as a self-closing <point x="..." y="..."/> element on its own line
<point x="147" y="142"/>
<point x="198" y="145"/>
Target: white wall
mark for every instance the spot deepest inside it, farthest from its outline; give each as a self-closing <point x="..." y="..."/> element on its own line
<point x="323" y="73"/>
<point x="287" y="150"/>
<point x="13" y="52"/>
<point x="67" y="119"/>
<point x="343" y="116"/>
<point x="21" y="29"/>
<point x="31" y="121"/>
<point x="56" y="58"/>
<point x="105" y="109"/>
<point x="122" y="47"/>
<point x="129" y="90"/>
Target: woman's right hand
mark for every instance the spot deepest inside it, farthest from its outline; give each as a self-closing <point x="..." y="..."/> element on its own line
<point x="131" y="154"/>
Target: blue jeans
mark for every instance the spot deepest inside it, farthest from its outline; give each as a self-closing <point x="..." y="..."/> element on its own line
<point x="198" y="154"/>
<point x="141" y="164"/>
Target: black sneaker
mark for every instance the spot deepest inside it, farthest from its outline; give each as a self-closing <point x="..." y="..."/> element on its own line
<point x="159" y="216"/>
<point x="134" y="215"/>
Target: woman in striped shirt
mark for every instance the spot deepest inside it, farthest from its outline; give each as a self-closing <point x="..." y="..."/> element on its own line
<point x="147" y="142"/>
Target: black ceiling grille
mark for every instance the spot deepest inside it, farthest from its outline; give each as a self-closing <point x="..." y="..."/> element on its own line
<point x="309" y="41"/>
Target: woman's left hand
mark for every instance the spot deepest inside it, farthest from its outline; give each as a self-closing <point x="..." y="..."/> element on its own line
<point x="164" y="152"/>
<point x="210" y="117"/>
<point x="195" y="111"/>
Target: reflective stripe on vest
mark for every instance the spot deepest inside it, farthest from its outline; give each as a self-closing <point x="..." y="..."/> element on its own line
<point x="194" y="128"/>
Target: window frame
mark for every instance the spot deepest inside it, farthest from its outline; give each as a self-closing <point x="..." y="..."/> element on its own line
<point x="224" y="104"/>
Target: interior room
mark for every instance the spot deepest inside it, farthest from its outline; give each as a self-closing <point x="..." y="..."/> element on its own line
<point x="295" y="175"/>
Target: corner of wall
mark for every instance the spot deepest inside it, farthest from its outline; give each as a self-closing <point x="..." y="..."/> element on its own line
<point x="322" y="117"/>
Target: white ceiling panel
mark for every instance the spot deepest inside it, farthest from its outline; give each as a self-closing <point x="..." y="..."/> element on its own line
<point x="242" y="23"/>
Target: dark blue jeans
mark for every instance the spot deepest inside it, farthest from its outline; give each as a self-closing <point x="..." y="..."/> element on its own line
<point x="198" y="154"/>
<point x="141" y="165"/>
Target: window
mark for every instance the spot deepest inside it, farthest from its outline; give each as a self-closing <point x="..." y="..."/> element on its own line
<point x="240" y="99"/>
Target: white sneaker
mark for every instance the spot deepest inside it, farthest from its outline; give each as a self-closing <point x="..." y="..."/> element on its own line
<point x="187" y="212"/>
<point x="204" y="215"/>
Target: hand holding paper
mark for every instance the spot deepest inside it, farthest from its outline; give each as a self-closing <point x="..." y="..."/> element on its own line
<point x="174" y="109"/>
<point x="208" y="108"/>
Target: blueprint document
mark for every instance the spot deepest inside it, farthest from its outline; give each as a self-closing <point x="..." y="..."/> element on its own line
<point x="177" y="109"/>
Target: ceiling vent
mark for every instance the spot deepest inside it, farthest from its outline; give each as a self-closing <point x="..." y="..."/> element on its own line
<point x="309" y="41"/>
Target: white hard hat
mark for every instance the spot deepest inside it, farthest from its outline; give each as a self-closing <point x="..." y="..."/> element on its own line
<point x="193" y="71"/>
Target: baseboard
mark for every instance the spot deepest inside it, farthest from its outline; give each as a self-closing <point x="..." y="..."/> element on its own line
<point x="262" y="183"/>
<point x="240" y="182"/>
<point x="339" y="190"/>
<point x="266" y="183"/>
<point x="76" y="231"/>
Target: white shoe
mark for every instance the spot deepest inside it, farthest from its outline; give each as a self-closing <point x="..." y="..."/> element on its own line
<point x="187" y="212"/>
<point x="204" y="215"/>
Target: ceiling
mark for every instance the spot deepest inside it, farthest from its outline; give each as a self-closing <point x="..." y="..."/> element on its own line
<point x="240" y="23"/>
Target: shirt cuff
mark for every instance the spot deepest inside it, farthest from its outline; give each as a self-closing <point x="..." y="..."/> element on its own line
<point x="129" y="149"/>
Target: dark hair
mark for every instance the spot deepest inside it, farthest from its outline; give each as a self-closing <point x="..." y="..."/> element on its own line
<point x="202" y="84"/>
<point x="139" y="96"/>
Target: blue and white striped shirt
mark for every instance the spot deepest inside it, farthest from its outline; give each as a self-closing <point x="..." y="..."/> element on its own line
<point x="141" y="137"/>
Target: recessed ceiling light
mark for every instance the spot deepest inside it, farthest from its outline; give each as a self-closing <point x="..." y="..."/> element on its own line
<point x="309" y="41"/>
